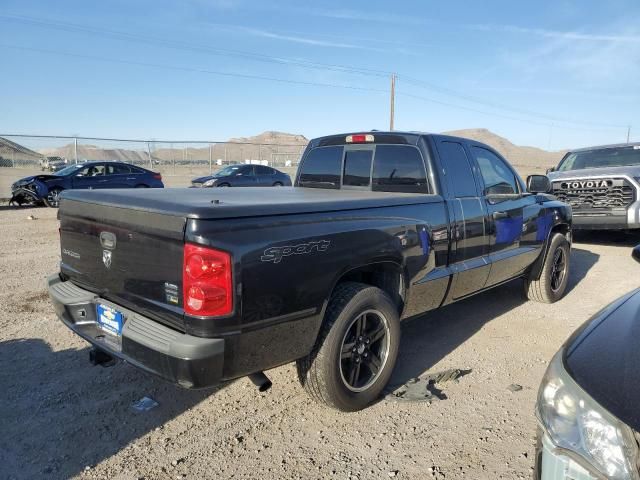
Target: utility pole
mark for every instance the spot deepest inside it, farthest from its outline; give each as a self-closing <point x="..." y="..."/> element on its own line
<point x="210" y="159"/>
<point x="75" y="149"/>
<point x="149" y="153"/>
<point x="628" y="133"/>
<point x="393" y="101"/>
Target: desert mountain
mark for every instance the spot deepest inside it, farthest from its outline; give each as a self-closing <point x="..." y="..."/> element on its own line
<point x="275" y="147"/>
<point x="526" y="159"/>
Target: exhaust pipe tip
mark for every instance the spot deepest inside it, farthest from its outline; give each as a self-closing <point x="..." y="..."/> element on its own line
<point x="261" y="381"/>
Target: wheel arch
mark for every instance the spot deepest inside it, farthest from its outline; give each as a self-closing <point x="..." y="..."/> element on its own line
<point x="564" y="229"/>
<point x="388" y="275"/>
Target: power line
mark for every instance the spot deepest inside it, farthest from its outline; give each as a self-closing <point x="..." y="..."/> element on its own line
<point x="484" y="112"/>
<point x="196" y="70"/>
<point x="75" y="28"/>
<point x="199" y="48"/>
<point x="502" y="106"/>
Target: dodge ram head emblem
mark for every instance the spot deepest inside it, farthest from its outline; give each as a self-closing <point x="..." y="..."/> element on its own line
<point x="106" y="258"/>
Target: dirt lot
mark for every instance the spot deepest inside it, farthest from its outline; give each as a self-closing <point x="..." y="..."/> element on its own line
<point x="63" y="418"/>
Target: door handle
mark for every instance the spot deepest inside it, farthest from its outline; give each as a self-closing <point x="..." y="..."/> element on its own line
<point x="500" y="215"/>
<point x="131" y="178"/>
<point x="102" y="181"/>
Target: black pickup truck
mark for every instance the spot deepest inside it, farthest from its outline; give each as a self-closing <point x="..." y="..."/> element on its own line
<point x="200" y="286"/>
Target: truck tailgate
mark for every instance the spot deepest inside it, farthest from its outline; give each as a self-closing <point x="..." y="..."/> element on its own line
<point x="128" y="256"/>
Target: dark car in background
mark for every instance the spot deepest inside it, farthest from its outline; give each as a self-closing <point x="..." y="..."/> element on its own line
<point x="588" y="401"/>
<point x="244" y="176"/>
<point x="46" y="188"/>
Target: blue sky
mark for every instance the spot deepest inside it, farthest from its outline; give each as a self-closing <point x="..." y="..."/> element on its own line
<point x="550" y="74"/>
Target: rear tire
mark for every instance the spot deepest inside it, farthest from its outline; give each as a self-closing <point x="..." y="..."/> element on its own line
<point x="52" y="200"/>
<point x="552" y="284"/>
<point x="277" y="184"/>
<point x="356" y="349"/>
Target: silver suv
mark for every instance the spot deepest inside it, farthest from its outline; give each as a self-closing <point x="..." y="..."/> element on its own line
<point x="602" y="185"/>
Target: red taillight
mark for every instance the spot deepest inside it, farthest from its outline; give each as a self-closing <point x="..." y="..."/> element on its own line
<point x="206" y="281"/>
<point x="157" y="176"/>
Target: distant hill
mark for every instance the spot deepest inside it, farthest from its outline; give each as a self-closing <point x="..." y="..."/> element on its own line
<point x="274" y="147"/>
<point x="525" y="159"/>
<point x="13" y="153"/>
<point x="94" y="152"/>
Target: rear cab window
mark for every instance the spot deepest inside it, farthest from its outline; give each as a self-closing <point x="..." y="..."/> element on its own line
<point x="321" y="168"/>
<point x="377" y="167"/>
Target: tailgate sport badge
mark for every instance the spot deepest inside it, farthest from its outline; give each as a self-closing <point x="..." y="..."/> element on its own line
<point x="106" y="258"/>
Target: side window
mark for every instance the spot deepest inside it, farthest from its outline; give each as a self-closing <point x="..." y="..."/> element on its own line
<point x="136" y="170"/>
<point x="262" y="170"/>
<point x="458" y="169"/>
<point x="121" y="169"/>
<point x="498" y="178"/>
<point x="399" y="168"/>
<point x="321" y="168"/>
<point x="247" y="170"/>
<point x="91" y="171"/>
<point x="357" y="168"/>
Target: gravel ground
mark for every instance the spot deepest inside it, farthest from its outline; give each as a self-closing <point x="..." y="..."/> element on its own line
<point x="63" y="418"/>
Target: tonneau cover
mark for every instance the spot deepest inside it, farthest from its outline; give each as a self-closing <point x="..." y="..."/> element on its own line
<point x="215" y="203"/>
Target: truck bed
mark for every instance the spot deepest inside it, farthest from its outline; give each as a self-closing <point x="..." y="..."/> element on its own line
<point x="217" y="203"/>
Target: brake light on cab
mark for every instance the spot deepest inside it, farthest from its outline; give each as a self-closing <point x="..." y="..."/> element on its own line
<point x="207" y="281"/>
<point x="359" y="138"/>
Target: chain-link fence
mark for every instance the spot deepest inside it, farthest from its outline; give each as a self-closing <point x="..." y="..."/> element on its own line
<point x="177" y="161"/>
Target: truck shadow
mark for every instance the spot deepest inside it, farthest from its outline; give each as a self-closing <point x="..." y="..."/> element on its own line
<point x="604" y="237"/>
<point x="428" y="338"/>
<point x="55" y="405"/>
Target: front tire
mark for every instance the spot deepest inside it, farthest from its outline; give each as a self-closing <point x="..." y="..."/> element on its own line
<point x="356" y="349"/>
<point x="52" y="200"/>
<point x="552" y="284"/>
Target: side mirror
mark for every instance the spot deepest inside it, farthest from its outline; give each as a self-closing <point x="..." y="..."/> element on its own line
<point x="636" y="253"/>
<point x="552" y="169"/>
<point x="538" y="184"/>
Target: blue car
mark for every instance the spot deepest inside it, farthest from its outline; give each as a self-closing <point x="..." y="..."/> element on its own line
<point x="46" y="189"/>
<point x="244" y="176"/>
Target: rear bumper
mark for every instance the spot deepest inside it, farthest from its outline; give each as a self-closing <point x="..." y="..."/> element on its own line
<point x="626" y="219"/>
<point x="188" y="361"/>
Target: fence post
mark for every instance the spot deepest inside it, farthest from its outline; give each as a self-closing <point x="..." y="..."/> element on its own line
<point x="75" y="149"/>
<point x="149" y="153"/>
<point x="210" y="159"/>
